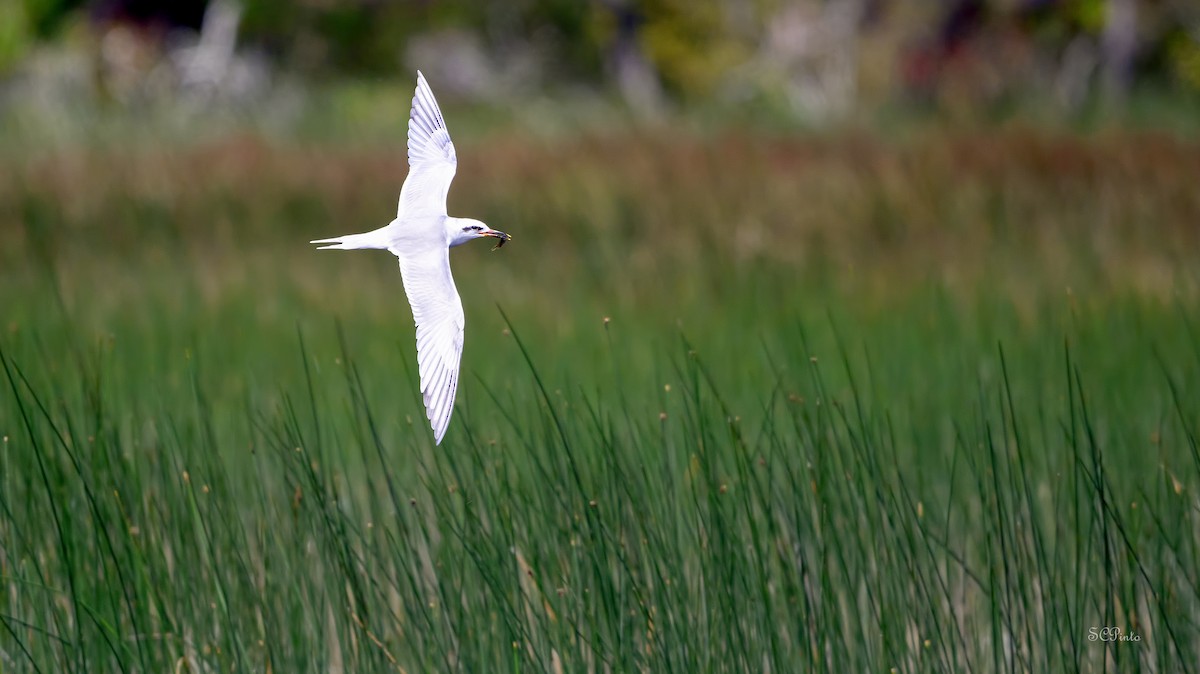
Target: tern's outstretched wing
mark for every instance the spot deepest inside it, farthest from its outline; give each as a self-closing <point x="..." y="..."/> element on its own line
<point x="431" y="158"/>
<point x="438" y="314"/>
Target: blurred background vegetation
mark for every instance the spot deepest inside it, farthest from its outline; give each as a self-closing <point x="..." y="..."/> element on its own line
<point x="799" y="63"/>
<point x="872" y="144"/>
<point x="914" y="283"/>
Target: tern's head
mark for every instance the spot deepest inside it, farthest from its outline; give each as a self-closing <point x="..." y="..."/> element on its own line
<point x="462" y="230"/>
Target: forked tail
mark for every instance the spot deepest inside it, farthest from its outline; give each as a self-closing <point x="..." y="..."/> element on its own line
<point x="373" y="239"/>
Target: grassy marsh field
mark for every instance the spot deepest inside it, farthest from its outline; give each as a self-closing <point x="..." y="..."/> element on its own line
<point x="732" y="403"/>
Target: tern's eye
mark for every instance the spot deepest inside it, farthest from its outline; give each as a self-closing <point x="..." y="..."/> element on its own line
<point x="476" y="227"/>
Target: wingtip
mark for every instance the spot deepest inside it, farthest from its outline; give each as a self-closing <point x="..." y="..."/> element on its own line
<point x="440" y="423"/>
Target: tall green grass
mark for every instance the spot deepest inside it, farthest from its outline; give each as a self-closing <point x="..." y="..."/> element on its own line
<point x="854" y="406"/>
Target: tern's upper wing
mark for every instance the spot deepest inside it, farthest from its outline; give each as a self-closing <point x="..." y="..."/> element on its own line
<point x="431" y="158"/>
<point x="438" y="314"/>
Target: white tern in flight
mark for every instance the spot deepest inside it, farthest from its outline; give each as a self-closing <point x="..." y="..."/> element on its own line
<point x="421" y="236"/>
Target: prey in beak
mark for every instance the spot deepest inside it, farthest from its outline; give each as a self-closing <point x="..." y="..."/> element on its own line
<point x="503" y="238"/>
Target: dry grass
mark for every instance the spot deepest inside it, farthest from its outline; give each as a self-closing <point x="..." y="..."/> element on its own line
<point x="1008" y="210"/>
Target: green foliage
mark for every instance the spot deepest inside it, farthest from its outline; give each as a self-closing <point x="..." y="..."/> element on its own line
<point x="22" y="22"/>
<point x="16" y="34"/>
<point x="370" y="37"/>
<point x="690" y="45"/>
<point x="1184" y="55"/>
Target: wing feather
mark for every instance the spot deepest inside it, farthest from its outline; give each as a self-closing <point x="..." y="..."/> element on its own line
<point x="432" y="161"/>
<point x="438" y="314"/>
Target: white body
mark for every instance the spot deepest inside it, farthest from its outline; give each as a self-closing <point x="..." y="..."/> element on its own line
<point x="421" y="237"/>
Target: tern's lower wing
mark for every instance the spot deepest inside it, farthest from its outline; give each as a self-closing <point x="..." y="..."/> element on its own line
<point x="438" y="314"/>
